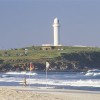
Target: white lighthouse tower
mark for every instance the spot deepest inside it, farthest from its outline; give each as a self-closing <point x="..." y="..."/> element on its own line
<point x="56" y="27"/>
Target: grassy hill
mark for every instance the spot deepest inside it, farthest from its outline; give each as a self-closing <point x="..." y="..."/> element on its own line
<point x="35" y="52"/>
<point x="63" y="56"/>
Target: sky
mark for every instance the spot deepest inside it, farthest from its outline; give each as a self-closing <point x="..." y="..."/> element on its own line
<point x="26" y="23"/>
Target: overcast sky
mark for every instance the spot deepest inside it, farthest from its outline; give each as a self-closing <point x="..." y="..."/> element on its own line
<point x="29" y="22"/>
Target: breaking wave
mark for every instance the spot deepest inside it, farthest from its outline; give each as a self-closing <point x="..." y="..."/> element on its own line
<point x="57" y="79"/>
<point x="94" y="72"/>
<point x="21" y="73"/>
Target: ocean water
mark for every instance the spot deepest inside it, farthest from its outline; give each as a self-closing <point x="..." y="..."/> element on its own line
<point x="89" y="80"/>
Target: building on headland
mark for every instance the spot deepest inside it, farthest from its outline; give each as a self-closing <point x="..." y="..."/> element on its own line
<point x="56" y="34"/>
<point x="47" y="47"/>
<point x="56" y="28"/>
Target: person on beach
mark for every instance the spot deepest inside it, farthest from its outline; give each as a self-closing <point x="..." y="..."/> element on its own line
<point x="25" y="83"/>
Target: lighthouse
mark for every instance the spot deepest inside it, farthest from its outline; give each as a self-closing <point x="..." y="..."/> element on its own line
<point x="56" y="27"/>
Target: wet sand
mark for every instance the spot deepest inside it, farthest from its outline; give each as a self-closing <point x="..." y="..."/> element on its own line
<point x="22" y="93"/>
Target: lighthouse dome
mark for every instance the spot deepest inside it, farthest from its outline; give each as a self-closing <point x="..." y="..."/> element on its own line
<point x="56" y="20"/>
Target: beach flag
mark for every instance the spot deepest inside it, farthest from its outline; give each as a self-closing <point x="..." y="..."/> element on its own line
<point x="47" y="65"/>
<point x="31" y="66"/>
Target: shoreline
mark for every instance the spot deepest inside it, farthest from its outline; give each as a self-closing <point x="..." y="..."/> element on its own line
<point x="48" y="90"/>
<point x="26" y="93"/>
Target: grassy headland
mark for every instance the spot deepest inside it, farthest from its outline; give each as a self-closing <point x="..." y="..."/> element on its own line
<point x="64" y="58"/>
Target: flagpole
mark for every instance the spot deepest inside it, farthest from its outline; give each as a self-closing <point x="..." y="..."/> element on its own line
<point x="25" y="79"/>
<point x="29" y="78"/>
<point x="30" y="66"/>
<point x="25" y="82"/>
<point x="47" y="66"/>
<point x="46" y="77"/>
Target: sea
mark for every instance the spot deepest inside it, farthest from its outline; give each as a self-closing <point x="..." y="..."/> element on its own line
<point x="89" y="81"/>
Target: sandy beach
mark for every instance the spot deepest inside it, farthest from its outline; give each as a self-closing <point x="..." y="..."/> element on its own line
<point x="22" y="93"/>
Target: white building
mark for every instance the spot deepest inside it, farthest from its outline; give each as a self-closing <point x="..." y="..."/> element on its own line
<point x="56" y="27"/>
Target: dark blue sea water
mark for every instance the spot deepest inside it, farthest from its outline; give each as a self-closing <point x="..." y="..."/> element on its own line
<point x="60" y="80"/>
